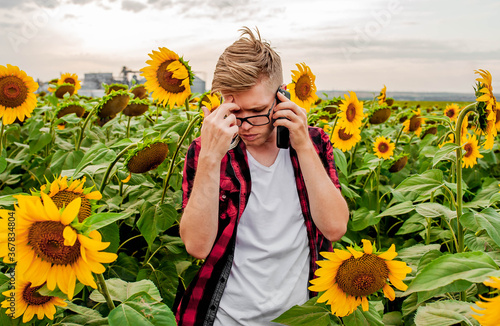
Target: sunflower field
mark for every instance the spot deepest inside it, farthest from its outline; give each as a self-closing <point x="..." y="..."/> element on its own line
<point x="90" y="203"/>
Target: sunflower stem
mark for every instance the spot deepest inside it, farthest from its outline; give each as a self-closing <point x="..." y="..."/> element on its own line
<point x="353" y="152"/>
<point x="104" y="291"/>
<point x="399" y="135"/>
<point x="128" y="126"/>
<point x="1" y="137"/>
<point x="458" y="166"/>
<point x="178" y="147"/>
<point x="82" y="130"/>
<point x="110" y="167"/>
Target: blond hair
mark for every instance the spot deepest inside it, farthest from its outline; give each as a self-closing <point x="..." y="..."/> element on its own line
<point x="244" y="62"/>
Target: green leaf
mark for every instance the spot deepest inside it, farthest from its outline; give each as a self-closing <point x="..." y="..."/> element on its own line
<point x="474" y="267"/>
<point x="399" y="209"/>
<point x="92" y="156"/>
<point x="445" y="313"/>
<point x="90" y="313"/>
<point x="155" y="219"/>
<point x="432" y="210"/>
<point x="99" y="220"/>
<point x="457" y="286"/>
<point x="125" y="267"/>
<point x="119" y="290"/>
<point x="425" y="182"/>
<point x="340" y="160"/>
<point x="141" y="309"/>
<point x="3" y="164"/>
<point x="308" y="314"/>
<point x="488" y="220"/>
<point x="165" y="278"/>
<point x="494" y="199"/>
<point x="364" y="318"/>
<point x="444" y="153"/>
<point x="40" y="142"/>
<point x="393" y="318"/>
<point x="362" y="218"/>
<point x="412" y="255"/>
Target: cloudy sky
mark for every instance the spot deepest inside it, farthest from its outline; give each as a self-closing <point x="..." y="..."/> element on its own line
<point x="408" y="45"/>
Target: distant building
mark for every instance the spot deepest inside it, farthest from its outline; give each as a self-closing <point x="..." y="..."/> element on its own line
<point x="198" y="85"/>
<point x="95" y="80"/>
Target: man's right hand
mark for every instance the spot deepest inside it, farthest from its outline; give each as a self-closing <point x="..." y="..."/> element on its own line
<point x="218" y="130"/>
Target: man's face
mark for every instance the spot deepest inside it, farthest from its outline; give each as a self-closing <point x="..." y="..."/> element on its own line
<point x="258" y="100"/>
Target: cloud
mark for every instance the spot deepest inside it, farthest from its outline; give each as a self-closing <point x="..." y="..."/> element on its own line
<point x="134" y="6"/>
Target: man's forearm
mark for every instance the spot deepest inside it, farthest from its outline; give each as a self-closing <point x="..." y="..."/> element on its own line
<point x="328" y="207"/>
<point x="199" y="222"/>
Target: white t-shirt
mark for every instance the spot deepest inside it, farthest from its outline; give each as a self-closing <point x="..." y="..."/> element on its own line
<point x="270" y="270"/>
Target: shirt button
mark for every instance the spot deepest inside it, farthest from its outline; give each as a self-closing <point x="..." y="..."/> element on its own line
<point x="223" y="196"/>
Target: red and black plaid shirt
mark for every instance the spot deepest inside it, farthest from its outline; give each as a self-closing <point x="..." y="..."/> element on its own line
<point x="200" y="301"/>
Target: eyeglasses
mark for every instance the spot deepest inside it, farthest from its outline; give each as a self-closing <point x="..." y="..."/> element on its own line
<point x="256" y="120"/>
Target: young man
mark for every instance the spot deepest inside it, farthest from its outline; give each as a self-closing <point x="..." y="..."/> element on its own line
<point x="257" y="214"/>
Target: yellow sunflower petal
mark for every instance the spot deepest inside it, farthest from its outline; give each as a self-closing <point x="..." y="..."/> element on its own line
<point x="69" y="235"/>
<point x="71" y="211"/>
<point x="367" y="246"/>
<point x="389" y="254"/>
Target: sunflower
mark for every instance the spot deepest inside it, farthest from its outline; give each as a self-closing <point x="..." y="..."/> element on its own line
<point x="497" y="120"/>
<point x="68" y="78"/>
<point x="17" y="94"/>
<point x="139" y="91"/>
<point x="136" y="107"/>
<point x="383" y="147"/>
<point x="62" y="89"/>
<point x="486" y="107"/>
<point x="26" y="301"/>
<point x="50" y="250"/>
<point x="146" y="157"/>
<point x="348" y="277"/>
<point x="382" y="96"/>
<point x="114" y="87"/>
<point x="414" y="124"/>
<point x="490" y="309"/>
<point x="452" y="111"/>
<point x="71" y="107"/>
<point x="469" y="158"/>
<point x="168" y="77"/>
<point x="398" y="163"/>
<point x="344" y="141"/>
<point x="380" y="115"/>
<point x="211" y="101"/>
<point x="63" y="193"/>
<point x="303" y="88"/>
<point x="351" y="113"/>
<point x="111" y="105"/>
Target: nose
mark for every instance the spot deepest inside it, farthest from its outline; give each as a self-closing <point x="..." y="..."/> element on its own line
<point x="245" y="125"/>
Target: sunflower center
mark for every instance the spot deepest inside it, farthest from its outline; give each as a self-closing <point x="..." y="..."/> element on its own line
<point x="415" y="122"/>
<point x="498" y="116"/>
<point x="450" y="113"/>
<point x="32" y="297"/>
<point x="13" y="91"/>
<point x="468" y="149"/>
<point x="70" y="81"/>
<point x="362" y="276"/>
<point x="64" y="197"/>
<point x="303" y="87"/>
<point x="383" y="147"/>
<point x="343" y="135"/>
<point x="166" y="81"/>
<point x="350" y="113"/>
<point x="148" y="158"/>
<point x="46" y="239"/>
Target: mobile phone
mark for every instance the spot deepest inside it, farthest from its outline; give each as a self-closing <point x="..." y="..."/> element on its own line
<point x="282" y="132"/>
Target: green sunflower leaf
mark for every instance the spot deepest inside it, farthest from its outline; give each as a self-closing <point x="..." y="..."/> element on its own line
<point x="308" y="314"/>
<point x="141" y="309"/>
<point x="445" y="313"/>
<point x="155" y="219"/>
<point x="488" y="220"/>
<point x="445" y="153"/>
<point x="474" y="267"/>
